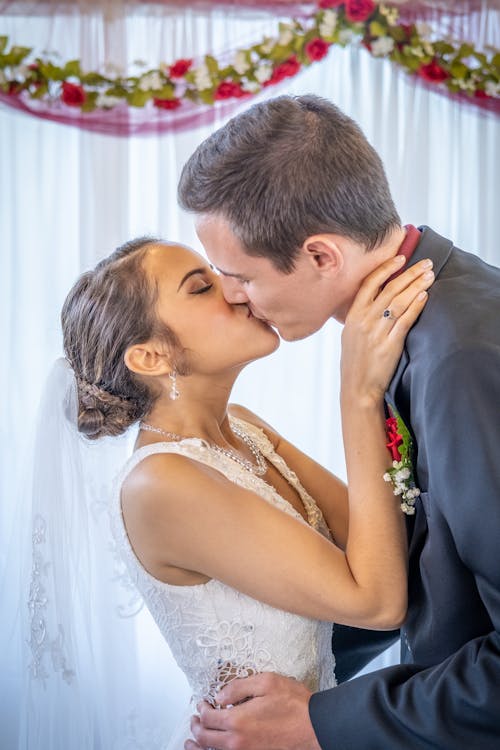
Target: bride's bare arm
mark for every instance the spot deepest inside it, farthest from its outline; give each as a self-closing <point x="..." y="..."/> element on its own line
<point x="181" y="514"/>
<point x="365" y="373"/>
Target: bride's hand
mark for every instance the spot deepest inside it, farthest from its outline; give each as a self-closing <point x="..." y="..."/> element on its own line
<point x="377" y="325"/>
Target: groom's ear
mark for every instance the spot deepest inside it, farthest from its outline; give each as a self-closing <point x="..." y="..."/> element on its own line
<point x="325" y="253"/>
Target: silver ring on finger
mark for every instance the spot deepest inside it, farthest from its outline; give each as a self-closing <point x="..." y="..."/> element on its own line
<point x="388" y="315"/>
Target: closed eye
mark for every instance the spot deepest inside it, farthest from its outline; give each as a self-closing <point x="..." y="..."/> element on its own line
<point x="203" y="289"/>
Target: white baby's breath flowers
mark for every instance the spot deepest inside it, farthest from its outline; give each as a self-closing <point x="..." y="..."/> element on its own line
<point x="382" y="46"/>
<point x="400" y="476"/>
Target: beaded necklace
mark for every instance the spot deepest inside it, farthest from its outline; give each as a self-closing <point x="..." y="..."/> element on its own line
<point x="259" y="467"/>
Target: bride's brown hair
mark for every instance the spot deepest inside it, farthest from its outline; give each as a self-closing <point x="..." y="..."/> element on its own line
<point x="108" y="310"/>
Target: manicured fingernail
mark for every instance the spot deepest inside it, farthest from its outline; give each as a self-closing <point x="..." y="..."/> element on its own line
<point x="428" y="275"/>
<point x="422" y="295"/>
<point x="399" y="259"/>
<point x="427" y="263"/>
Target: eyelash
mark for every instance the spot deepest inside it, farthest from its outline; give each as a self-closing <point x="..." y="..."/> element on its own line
<point x="203" y="289"/>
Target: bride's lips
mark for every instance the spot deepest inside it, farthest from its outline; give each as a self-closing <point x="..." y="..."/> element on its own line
<point x="266" y="322"/>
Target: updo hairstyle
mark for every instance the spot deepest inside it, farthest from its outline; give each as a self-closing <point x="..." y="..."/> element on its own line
<point x="108" y="310"/>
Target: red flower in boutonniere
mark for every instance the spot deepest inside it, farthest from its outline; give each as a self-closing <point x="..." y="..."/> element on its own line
<point x="399" y="444"/>
<point x="394" y="439"/>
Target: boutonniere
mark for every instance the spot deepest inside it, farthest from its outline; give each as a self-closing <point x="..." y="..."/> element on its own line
<point x="400" y="446"/>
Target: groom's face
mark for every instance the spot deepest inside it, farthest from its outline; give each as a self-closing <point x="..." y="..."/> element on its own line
<point x="296" y="304"/>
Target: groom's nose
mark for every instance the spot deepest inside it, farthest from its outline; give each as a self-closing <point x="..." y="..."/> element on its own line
<point x="233" y="290"/>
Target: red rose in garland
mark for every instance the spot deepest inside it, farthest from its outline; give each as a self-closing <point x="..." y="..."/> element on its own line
<point x="316" y="49"/>
<point x="14" y="88"/>
<point x="167" y="103"/>
<point x="227" y="90"/>
<point x="433" y="72"/>
<point x="359" y="10"/>
<point x="180" y="68"/>
<point x="285" y="69"/>
<point x="73" y="95"/>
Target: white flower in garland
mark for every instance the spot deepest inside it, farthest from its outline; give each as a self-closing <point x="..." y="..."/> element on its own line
<point x="268" y="45"/>
<point x="423" y="29"/>
<point x="107" y="102"/>
<point x="151" y="81"/>
<point x="328" y="24"/>
<point x="492" y="88"/>
<point x="286" y="36"/>
<point x="345" y="36"/>
<point x="391" y="14"/>
<point x="251" y="86"/>
<point x="264" y="72"/>
<point x="382" y="46"/>
<point x="240" y="63"/>
<point x="202" y="79"/>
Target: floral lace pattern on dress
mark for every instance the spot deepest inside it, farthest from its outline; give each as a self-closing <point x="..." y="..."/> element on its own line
<point x="216" y="633"/>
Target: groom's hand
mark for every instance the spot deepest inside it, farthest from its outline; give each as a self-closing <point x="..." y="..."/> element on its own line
<point x="266" y="711"/>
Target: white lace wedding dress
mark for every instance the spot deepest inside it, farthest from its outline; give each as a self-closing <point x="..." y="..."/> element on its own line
<point x="216" y="633"/>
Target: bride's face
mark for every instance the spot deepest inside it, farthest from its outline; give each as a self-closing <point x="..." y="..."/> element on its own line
<point x="216" y="335"/>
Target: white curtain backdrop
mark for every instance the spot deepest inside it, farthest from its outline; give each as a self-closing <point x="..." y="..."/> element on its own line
<point x="68" y="198"/>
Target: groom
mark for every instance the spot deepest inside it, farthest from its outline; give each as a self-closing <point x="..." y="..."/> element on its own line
<point x="293" y="208"/>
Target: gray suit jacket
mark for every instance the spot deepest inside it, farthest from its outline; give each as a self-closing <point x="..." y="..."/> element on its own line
<point x="446" y="692"/>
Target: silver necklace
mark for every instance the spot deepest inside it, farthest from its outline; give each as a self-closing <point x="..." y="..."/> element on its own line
<point x="259" y="467"/>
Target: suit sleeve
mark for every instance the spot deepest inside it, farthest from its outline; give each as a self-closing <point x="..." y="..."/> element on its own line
<point x="355" y="648"/>
<point x="454" y="703"/>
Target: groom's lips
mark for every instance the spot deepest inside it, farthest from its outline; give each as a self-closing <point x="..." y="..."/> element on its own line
<point x="251" y="314"/>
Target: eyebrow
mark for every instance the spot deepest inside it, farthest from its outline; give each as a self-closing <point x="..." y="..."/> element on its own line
<point x="189" y="274"/>
<point x="231" y="275"/>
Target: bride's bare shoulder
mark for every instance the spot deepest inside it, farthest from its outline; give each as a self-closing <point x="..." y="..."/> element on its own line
<point x="241" y="412"/>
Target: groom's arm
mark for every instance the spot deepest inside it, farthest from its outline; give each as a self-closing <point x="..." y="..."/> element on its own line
<point x="354" y="648"/>
<point x="453" y="703"/>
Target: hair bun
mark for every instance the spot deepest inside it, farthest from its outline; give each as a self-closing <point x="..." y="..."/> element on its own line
<point x="90" y="421"/>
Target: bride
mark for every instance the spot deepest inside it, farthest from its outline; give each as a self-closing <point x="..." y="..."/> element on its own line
<point x="243" y="548"/>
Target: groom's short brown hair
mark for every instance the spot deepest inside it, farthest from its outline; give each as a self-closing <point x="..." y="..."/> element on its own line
<point x="286" y="169"/>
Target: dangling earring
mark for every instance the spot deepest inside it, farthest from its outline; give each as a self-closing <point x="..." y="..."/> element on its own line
<point x="174" y="393"/>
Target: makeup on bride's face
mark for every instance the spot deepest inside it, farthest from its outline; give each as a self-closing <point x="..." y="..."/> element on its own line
<point x="190" y="301"/>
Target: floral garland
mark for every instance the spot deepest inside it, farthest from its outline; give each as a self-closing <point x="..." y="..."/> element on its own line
<point x="400" y="446"/>
<point x="459" y="67"/>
